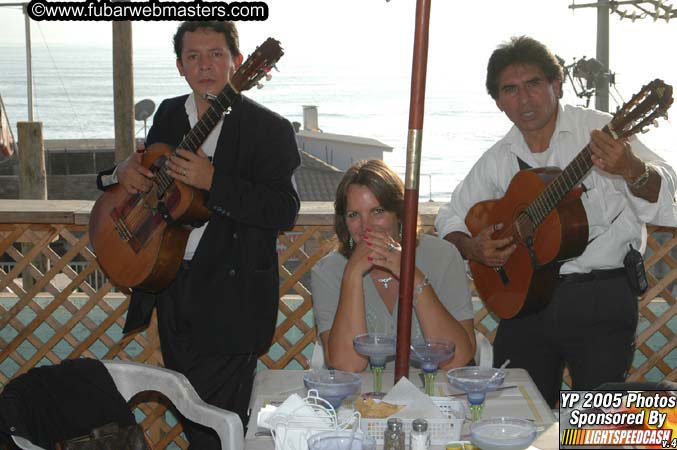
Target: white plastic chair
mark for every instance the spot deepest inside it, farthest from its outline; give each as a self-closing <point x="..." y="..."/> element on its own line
<point x="25" y="444"/>
<point x="317" y="359"/>
<point x="131" y="378"/>
<point x="484" y="351"/>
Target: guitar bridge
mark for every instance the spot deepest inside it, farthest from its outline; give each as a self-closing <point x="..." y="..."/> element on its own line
<point x="503" y="274"/>
<point x="164" y="212"/>
<point x="529" y="242"/>
<point x="526" y="230"/>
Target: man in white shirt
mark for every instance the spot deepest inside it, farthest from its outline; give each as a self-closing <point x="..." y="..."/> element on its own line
<point x="591" y="319"/>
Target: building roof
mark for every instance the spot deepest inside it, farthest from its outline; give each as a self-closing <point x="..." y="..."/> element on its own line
<point x="85" y="145"/>
<point x="316" y="180"/>
<point x="344" y="138"/>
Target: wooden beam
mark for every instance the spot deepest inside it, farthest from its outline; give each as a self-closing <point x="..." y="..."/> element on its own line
<point x="123" y="90"/>
<point x="32" y="172"/>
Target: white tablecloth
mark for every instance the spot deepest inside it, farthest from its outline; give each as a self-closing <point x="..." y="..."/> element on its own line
<point x="524" y="401"/>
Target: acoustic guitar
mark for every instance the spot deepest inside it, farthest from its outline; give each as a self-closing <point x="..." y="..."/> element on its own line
<point x="543" y="213"/>
<point x="140" y="239"/>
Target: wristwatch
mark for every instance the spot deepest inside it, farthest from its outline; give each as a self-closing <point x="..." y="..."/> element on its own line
<point x="640" y="180"/>
<point x="109" y="180"/>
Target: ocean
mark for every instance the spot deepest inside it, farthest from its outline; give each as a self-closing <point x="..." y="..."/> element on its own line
<point x="74" y="99"/>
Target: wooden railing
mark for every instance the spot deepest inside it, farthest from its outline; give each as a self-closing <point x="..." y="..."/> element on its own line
<point x="53" y="306"/>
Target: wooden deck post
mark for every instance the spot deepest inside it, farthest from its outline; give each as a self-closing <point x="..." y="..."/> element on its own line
<point x="32" y="172"/>
<point x="32" y="180"/>
<point x="123" y="90"/>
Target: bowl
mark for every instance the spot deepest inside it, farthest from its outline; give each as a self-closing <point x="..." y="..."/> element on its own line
<point x="341" y="440"/>
<point x="502" y="433"/>
<point x="476" y="379"/>
<point x="429" y="353"/>
<point x="376" y="346"/>
<point x="332" y="385"/>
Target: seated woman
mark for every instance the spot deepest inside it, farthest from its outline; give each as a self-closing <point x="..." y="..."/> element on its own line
<point x="355" y="289"/>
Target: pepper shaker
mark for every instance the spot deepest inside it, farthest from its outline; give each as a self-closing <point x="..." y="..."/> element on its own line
<point x="393" y="438"/>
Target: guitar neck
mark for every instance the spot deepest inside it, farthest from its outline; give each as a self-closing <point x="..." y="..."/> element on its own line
<point x="570" y="177"/>
<point x="197" y="135"/>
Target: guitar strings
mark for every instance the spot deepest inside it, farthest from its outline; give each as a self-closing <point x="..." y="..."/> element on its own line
<point x="198" y="133"/>
<point x="547" y="200"/>
<point x="561" y="185"/>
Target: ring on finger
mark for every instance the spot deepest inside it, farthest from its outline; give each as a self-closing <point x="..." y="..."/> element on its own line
<point x="391" y="247"/>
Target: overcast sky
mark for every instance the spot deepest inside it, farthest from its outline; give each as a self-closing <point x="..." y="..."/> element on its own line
<point x="352" y="32"/>
<point x="375" y="36"/>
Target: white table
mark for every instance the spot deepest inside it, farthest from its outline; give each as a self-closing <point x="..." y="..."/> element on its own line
<point x="524" y="401"/>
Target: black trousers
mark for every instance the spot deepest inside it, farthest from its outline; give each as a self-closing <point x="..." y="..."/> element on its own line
<point x="589" y="324"/>
<point x="224" y="381"/>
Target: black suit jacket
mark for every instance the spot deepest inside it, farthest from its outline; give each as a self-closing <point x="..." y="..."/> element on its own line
<point x="233" y="279"/>
<point x="50" y="404"/>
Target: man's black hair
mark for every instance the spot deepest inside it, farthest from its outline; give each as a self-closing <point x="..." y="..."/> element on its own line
<point x="220" y="26"/>
<point x="522" y="50"/>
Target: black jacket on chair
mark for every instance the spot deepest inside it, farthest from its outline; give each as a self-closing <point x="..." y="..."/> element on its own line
<point x="50" y="404"/>
<point x="234" y="272"/>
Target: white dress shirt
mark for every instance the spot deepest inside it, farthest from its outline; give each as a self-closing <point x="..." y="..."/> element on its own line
<point x="616" y="217"/>
<point x="209" y="147"/>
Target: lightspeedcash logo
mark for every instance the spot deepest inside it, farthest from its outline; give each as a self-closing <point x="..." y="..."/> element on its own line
<point x="595" y="419"/>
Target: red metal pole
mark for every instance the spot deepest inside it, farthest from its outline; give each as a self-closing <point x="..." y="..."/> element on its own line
<point x="411" y="182"/>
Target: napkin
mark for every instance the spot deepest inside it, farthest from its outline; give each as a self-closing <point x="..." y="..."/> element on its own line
<point x="293" y="422"/>
<point x="418" y="404"/>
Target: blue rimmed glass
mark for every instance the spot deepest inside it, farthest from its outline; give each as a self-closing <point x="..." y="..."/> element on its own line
<point x="429" y="353"/>
<point x="476" y="382"/>
<point x="332" y="385"/>
<point x="377" y="347"/>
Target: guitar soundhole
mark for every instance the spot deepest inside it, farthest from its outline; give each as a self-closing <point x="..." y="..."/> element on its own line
<point x="158" y="164"/>
<point x="525" y="228"/>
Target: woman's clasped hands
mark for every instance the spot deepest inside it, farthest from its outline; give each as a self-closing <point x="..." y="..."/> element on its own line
<point x="377" y="248"/>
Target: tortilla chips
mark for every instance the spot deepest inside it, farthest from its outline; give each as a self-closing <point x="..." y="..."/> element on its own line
<point x="371" y="409"/>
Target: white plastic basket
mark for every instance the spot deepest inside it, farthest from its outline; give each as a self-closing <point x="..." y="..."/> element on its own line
<point x="294" y="429"/>
<point x="441" y="430"/>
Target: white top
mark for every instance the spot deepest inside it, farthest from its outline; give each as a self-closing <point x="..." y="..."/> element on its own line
<point x="542" y="158"/>
<point x="437" y="259"/>
<point x="209" y="147"/>
<point x="616" y="217"/>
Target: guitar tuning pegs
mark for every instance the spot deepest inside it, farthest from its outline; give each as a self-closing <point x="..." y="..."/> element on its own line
<point x="275" y="67"/>
<point x="644" y="130"/>
<point x="269" y="77"/>
<point x="655" y="123"/>
<point x="259" y="86"/>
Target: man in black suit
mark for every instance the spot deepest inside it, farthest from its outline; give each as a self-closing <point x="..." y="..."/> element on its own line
<point x="219" y="313"/>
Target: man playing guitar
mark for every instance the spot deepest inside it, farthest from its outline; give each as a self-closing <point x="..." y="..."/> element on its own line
<point x="591" y="319"/>
<point x="219" y="312"/>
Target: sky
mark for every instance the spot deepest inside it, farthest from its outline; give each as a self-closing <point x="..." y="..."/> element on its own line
<point x="347" y="31"/>
<point x="377" y="37"/>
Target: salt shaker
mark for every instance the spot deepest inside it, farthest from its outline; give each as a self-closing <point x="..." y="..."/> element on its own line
<point x="393" y="438"/>
<point x="419" y="439"/>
